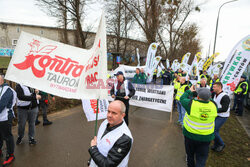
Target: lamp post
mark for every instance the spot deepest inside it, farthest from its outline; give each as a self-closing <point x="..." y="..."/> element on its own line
<point x="218" y="22"/>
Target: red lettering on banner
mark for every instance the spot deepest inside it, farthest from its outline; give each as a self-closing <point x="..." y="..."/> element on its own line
<point x="93" y="104"/>
<point x="56" y="64"/>
<point x="91" y="78"/>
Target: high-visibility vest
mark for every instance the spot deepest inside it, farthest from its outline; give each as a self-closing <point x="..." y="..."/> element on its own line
<point x="239" y="89"/>
<point x="155" y="72"/>
<point x="180" y="74"/>
<point x="180" y="91"/>
<point x="203" y="76"/>
<point x="176" y="84"/>
<point x="212" y="82"/>
<point x="201" y="118"/>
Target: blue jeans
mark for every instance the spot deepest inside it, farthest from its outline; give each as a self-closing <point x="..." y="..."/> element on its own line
<point x="197" y="152"/>
<point x="219" y="121"/>
<point x="181" y="111"/>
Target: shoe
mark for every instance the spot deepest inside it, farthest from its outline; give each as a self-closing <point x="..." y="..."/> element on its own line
<point x="220" y="148"/>
<point x="47" y="123"/>
<point x="37" y="122"/>
<point x="213" y="147"/>
<point x="9" y="160"/>
<point x="32" y="142"/>
<point x="19" y="141"/>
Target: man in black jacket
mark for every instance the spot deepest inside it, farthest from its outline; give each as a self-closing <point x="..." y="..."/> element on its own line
<point x="122" y="90"/>
<point x="27" y="111"/>
<point x="223" y="101"/>
<point x="240" y="95"/>
<point x="114" y="140"/>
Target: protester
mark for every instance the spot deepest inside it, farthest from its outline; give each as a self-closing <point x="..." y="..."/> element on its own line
<point x="177" y="84"/>
<point x="27" y="111"/>
<point x="7" y="102"/>
<point x="223" y="101"/>
<point x="212" y="81"/>
<point x="114" y="140"/>
<point x="203" y="83"/>
<point x="137" y="77"/>
<point x="166" y="77"/>
<point x="43" y="105"/>
<point x="144" y="76"/>
<point x="180" y="72"/>
<point x="122" y="90"/>
<point x="198" y="127"/>
<point x="204" y="75"/>
<point x="155" y="76"/>
<point x="182" y="88"/>
<point x="239" y="95"/>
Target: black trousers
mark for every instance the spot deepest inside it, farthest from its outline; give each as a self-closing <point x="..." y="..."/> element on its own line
<point x="126" y="102"/>
<point x="6" y="134"/>
<point x="197" y="152"/>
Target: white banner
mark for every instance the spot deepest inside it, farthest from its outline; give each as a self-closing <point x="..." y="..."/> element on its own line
<point x="159" y="69"/>
<point x="175" y="65"/>
<point x="167" y="63"/>
<point x="151" y="57"/>
<point x="201" y="63"/>
<point x="193" y="70"/>
<point x="90" y="109"/>
<point x="61" y="69"/>
<point x="150" y="72"/>
<point x="215" y="69"/>
<point x="157" y="97"/>
<point x="138" y="56"/>
<point x="235" y="65"/>
<point x="128" y="71"/>
<point x="185" y="58"/>
<point x="162" y="66"/>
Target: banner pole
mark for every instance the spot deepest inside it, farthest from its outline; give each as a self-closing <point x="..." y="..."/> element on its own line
<point x="171" y="115"/>
<point x="97" y="110"/>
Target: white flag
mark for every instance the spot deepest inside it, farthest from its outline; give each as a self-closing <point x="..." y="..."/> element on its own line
<point x="61" y="69"/>
<point x="90" y="109"/>
<point x="235" y="65"/>
<point x="138" y="56"/>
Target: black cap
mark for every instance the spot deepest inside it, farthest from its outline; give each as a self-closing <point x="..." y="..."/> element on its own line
<point x="119" y="73"/>
<point x="243" y="76"/>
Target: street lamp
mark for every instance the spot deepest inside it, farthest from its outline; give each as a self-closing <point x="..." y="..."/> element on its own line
<point x="218" y="21"/>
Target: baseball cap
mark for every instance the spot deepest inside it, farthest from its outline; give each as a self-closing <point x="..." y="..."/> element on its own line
<point x="243" y="76"/>
<point x="204" y="93"/>
<point x="119" y="73"/>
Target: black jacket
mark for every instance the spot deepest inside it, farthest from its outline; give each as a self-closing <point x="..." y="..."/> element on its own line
<point x="116" y="154"/>
<point x="21" y="96"/>
<point x="119" y="94"/>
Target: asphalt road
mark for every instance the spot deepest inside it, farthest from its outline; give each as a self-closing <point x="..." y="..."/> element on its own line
<point x="157" y="142"/>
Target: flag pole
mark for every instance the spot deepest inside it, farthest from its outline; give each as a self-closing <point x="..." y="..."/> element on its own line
<point x="97" y="111"/>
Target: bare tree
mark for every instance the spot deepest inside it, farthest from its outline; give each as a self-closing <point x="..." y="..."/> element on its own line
<point x="146" y="13"/>
<point x="67" y="11"/>
<point x="174" y="16"/>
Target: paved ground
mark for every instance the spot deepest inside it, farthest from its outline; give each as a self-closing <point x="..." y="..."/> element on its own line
<point x="157" y="142"/>
<point x="245" y="121"/>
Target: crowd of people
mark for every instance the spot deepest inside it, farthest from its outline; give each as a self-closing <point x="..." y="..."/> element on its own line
<point x="203" y="108"/>
<point x="28" y="102"/>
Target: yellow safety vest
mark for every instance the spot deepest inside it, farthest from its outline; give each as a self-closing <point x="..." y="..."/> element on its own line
<point x="180" y="91"/>
<point x="180" y="74"/>
<point x="211" y="82"/>
<point x="176" y="84"/>
<point x="201" y="118"/>
<point x="202" y="75"/>
<point x="239" y="89"/>
<point x="155" y="72"/>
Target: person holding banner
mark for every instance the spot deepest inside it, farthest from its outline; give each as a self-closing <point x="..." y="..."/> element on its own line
<point x="239" y="95"/>
<point x="7" y="102"/>
<point x="27" y="111"/>
<point x="122" y="90"/>
<point x="223" y="101"/>
<point x="204" y="75"/>
<point x="182" y="88"/>
<point x="203" y="83"/>
<point x="198" y="129"/>
<point x="155" y="76"/>
<point x="113" y="143"/>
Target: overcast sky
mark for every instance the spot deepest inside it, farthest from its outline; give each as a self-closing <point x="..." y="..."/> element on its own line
<point x="234" y="21"/>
